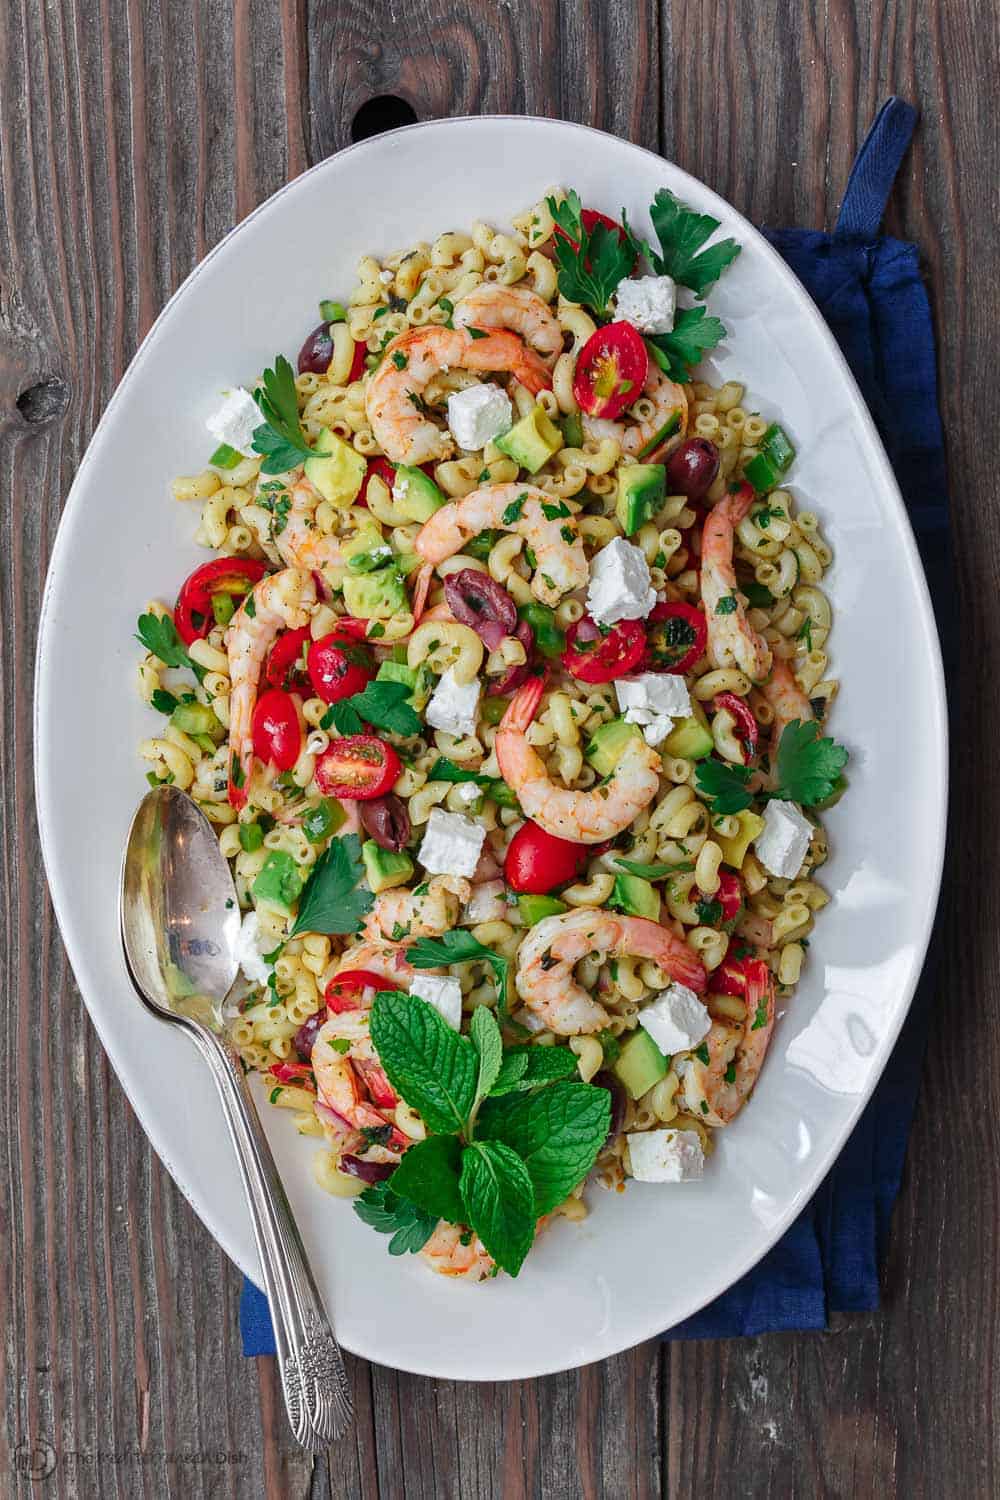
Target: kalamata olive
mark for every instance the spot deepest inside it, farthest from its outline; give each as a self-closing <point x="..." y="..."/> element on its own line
<point x="476" y="599"/>
<point x="387" y="820"/>
<point x="606" y="1080"/>
<point x="305" y="1038"/>
<point x="692" y="467"/>
<point x="515" y="676"/>
<point x="368" y="1171"/>
<point x="317" y="351"/>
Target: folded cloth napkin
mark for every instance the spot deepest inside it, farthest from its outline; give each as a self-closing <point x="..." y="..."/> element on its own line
<point x="868" y="288"/>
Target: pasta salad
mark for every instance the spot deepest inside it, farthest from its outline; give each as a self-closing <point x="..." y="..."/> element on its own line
<point x="504" y="689"/>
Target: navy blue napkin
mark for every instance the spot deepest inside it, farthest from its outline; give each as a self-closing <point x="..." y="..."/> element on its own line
<point x="869" y="290"/>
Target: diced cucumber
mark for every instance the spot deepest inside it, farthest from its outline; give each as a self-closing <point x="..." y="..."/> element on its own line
<point x="196" y="718"/>
<point x="279" y="882"/>
<point x="534" y="908"/>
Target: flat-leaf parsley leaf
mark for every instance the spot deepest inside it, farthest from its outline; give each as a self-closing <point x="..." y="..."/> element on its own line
<point x="333" y="900"/>
<point x="682" y="233"/>
<point x="724" y="785"/>
<point x="280" y="437"/>
<point x="808" y="764"/>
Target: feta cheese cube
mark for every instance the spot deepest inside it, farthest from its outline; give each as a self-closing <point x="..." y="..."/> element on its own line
<point x="676" y="1020"/>
<point x="248" y="952"/>
<point x="443" y="992"/>
<point x="479" y="414"/>
<point x="653" y="694"/>
<point x="647" y="302"/>
<point x="235" y="420"/>
<point x="453" y="706"/>
<point x="452" y="844"/>
<point x="619" y="584"/>
<point x="782" y="843"/>
<point x="666" y="1155"/>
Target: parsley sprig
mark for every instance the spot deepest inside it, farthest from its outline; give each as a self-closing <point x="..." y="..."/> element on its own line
<point x="694" y="334"/>
<point x="592" y="262"/>
<point x="458" y="947"/>
<point x="333" y="900"/>
<point x="158" y="634"/>
<point x="280" y="437"/>
<point x="809" y="770"/>
<point x="682" y="233"/>
<point x="385" y="705"/>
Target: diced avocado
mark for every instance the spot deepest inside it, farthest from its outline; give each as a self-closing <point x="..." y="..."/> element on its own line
<point x="336" y="469"/>
<point x="197" y="718"/>
<point x="366" y="551"/>
<point x="384" y="868"/>
<point x="534" y="908"/>
<point x="636" y="896"/>
<point x="640" y="1064"/>
<point x="642" y="489"/>
<point x="572" y="429"/>
<point x="375" y="596"/>
<point x="690" y="738"/>
<point x="415" y="495"/>
<point x="608" y="744"/>
<point x="279" y="882"/>
<point x="408" y="562"/>
<point x="734" y="849"/>
<point x="420" y="680"/>
<point x="532" y="441"/>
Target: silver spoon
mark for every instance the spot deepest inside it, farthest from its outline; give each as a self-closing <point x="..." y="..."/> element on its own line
<point x="179" y="921"/>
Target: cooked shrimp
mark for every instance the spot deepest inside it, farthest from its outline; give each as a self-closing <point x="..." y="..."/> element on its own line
<point x="454" y="1251"/>
<point x="381" y="958"/>
<point x="352" y="1083"/>
<point x="667" y="399"/>
<point x="514" y="307"/>
<point x="300" y="541"/>
<point x="552" y="948"/>
<point x="716" y="1091"/>
<point x="588" y="817"/>
<point x="786" y="698"/>
<point x="402" y="915"/>
<point x="560" y="561"/>
<point x="731" y="639"/>
<point x="281" y="601"/>
<point x="394" y="399"/>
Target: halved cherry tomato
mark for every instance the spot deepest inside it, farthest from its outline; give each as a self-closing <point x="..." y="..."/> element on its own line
<point x="379" y="468"/>
<point x="747" y="726"/>
<point x="345" y="988"/>
<point x="277" y="733"/>
<point x="300" y="1073"/>
<point x="339" y="666"/>
<point x="676" y="635"/>
<point x="358" y="362"/>
<point x="226" y="575"/>
<point x="596" y="654"/>
<point x="734" y="974"/>
<point x="283" y="667"/>
<point x="357" y="768"/>
<point x="729" y="895"/>
<point x="536" y="861"/>
<point x="611" y="370"/>
<point x="356" y="629"/>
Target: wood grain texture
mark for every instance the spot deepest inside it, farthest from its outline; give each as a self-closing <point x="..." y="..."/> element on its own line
<point x="132" y="136"/>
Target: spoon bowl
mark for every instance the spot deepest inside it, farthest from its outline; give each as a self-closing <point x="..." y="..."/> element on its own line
<point x="180" y="923"/>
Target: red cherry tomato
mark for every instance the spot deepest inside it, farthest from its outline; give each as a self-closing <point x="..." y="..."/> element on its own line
<point x="339" y="666"/>
<point x="611" y="370"/>
<point x="349" y="626"/>
<point x="729" y="895"/>
<point x="378" y="468"/>
<point x="747" y="726"/>
<point x="357" y="768"/>
<point x="358" y="362"/>
<point x="283" y="667"/>
<point x="593" y="656"/>
<point x="226" y="575"/>
<point x="536" y="861"/>
<point x="277" y="733"/>
<point x="676" y="636"/>
<point x="344" y="990"/>
<point x="299" y="1073"/>
<point x="734" y="974"/>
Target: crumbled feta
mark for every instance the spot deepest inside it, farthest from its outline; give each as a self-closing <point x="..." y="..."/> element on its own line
<point x="676" y="1020"/>
<point x="666" y="1155"/>
<point x="248" y="952"/>
<point x="782" y="843"/>
<point x="647" y="302"/>
<point x="619" y="584"/>
<point x="235" y="420"/>
<point x="653" y="700"/>
<point x="444" y="993"/>
<point x="479" y="414"/>
<point x="386" y="277"/>
<point x="452" y="844"/>
<point x="400" y="486"/>
<point x="468" y="792"/>
<point x="453" y="705"/>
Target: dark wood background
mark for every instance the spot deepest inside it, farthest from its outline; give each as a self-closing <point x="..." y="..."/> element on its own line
<point x="133" y="134"/>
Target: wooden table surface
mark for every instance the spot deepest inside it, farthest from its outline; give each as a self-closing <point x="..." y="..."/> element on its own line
<point x="133" y="135"/>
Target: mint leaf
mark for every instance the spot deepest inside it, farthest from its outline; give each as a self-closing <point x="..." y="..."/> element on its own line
<point x="499" y="1206"/>
<point x="427" y="1176"/>
<point x="410" y="1227"/>
<point x="681" y="233"/>
<point x="724" y="785"/>
<point x="433" y="1067"/>
<point x="457" y="947"/>
<point x="158" y="634"/>
<point x="486" y="1040"/>
<point x="694" y="334"/>
<point x="558" y="1132"/>
<point x="382" y="704"/>
<point x="529" y="1067"/>
<point x="280" y="438"/>
<point x="808" y="765"/>
<point x="332" y="901"/>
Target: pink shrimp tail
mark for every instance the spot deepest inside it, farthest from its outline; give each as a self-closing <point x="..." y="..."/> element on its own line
<point x="421" y="591"/>
<point x="524" y="704"/>
<point x="533" y="373"/>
